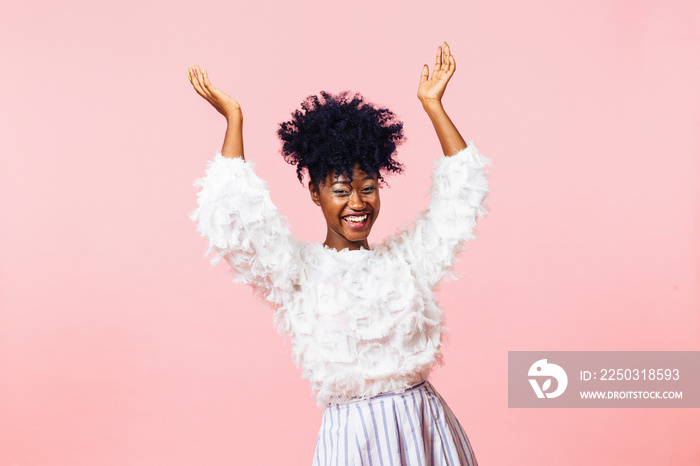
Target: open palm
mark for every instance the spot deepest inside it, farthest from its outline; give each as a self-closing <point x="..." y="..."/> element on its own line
<point x="222" y="102"/>
<point x="432" y="87"/>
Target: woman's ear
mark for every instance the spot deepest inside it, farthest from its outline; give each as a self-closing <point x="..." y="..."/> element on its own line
<point x="315" y="194"/>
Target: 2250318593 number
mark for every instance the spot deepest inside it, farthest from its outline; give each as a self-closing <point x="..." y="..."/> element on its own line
<point x="640" y="374"/>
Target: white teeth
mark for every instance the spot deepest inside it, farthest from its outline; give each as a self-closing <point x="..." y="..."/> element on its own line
<point x="357" y="219"/>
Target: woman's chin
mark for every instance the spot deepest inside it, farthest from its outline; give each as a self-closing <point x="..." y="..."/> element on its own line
<point x="357" y="237"/>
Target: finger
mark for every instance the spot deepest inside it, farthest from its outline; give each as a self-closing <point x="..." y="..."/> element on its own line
<point x="438" y="59"/>
<point x="199" y="89"/>
<point x="424" y="74"/>
<point x="203" y="80"/>
<point x="190" y="75"/>
<point x="197" y="85"/>
<point x="195" y="81"/>
<point x="200" y="80"/>
<point x="445" y="56"/>
<point x="453" y="63"/>
<point x="208" y="85"/>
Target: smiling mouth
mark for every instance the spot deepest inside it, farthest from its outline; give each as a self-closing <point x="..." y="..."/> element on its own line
<point x="356" y="221"/>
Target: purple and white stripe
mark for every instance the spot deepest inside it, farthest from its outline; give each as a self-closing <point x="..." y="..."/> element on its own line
<point x="415" y="427"/>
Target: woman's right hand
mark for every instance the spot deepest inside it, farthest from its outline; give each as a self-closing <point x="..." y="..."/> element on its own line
<point x="222" y="102"/>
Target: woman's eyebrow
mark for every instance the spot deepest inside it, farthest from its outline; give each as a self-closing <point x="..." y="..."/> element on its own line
<point x="368" y="177"/>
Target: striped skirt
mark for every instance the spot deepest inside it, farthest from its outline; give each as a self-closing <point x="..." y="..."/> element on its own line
<point x="415" y="427"/>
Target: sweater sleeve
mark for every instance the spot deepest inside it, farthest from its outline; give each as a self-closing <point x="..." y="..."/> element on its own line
<point x="459" y="186"/>
<point x="237" y="216"/>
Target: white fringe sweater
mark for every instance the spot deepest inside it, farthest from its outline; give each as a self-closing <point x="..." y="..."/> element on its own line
<point x="361" y="322"/>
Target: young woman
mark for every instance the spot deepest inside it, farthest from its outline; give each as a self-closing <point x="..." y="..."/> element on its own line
<point x="362" y="319"/>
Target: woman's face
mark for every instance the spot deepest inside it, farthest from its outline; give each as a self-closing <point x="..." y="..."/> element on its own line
<point x="350" y="208"/>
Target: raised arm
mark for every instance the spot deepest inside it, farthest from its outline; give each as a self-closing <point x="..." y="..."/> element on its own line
<point x="459" y="186"/>
<point x="224" y="104"/>
<point x="430" y="91"/>
<point x="235" y="212"/>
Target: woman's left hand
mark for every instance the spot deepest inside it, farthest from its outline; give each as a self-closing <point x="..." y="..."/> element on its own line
<point x="431" y="89"/>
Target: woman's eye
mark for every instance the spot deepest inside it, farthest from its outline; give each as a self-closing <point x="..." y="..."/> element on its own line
<point x="369" y="189"/>
<point x="340" y="192"/>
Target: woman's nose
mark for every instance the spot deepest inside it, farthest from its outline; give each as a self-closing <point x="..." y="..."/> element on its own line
<point x="356" y="201"/>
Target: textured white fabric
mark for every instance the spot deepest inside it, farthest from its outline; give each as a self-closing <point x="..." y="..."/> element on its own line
<point x="361" y="322"/>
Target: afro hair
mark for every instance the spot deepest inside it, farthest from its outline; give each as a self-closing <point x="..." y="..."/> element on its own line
<point x="335" y="132"/>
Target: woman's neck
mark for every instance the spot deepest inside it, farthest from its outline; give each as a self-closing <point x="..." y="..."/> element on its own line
<point x="339" y="244"/>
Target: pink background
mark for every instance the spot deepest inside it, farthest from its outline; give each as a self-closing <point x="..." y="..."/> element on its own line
<point x="120" y="345"/>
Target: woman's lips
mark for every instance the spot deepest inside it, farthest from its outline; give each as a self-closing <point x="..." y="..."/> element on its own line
<point x="357" y="222"/>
